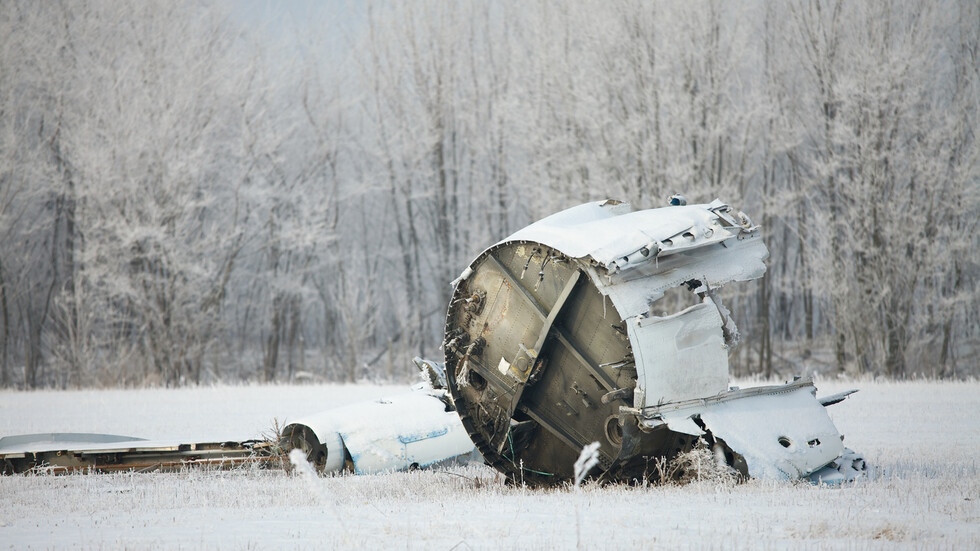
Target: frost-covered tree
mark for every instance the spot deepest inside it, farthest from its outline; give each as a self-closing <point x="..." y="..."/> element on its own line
<point x="126" y="110"/>
<point x="881" y="168"/>
<point x="194" y="191"/>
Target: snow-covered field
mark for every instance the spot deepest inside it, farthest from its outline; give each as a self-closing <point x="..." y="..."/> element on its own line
<point x="923" y="492"/>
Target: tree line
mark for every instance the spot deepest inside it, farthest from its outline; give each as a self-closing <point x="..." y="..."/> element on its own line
<point x="192" y="194"/>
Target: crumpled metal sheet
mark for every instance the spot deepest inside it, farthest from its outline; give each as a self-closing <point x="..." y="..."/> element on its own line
<point x="782" y="432"/>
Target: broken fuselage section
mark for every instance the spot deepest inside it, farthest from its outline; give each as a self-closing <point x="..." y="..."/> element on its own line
<point x="415" y="429"/>
<point x="602" y="324"/>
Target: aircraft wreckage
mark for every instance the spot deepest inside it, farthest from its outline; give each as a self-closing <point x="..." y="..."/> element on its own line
<point x="598" y="324"/>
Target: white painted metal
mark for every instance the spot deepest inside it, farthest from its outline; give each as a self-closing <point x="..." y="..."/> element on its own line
<point x="782" y="432"/>
<point x="391" y="434"/>
<point x="683" y="355"/>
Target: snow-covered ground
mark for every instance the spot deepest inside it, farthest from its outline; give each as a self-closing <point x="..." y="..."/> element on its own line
<point x="923" y="492"/>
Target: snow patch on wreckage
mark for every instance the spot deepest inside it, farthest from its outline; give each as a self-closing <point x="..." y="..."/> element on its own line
<point x="602" y="324"/>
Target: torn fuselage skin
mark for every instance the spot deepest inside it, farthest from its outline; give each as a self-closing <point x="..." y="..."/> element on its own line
<point x="583" y="326"/>
<point x="416" y="429"/>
